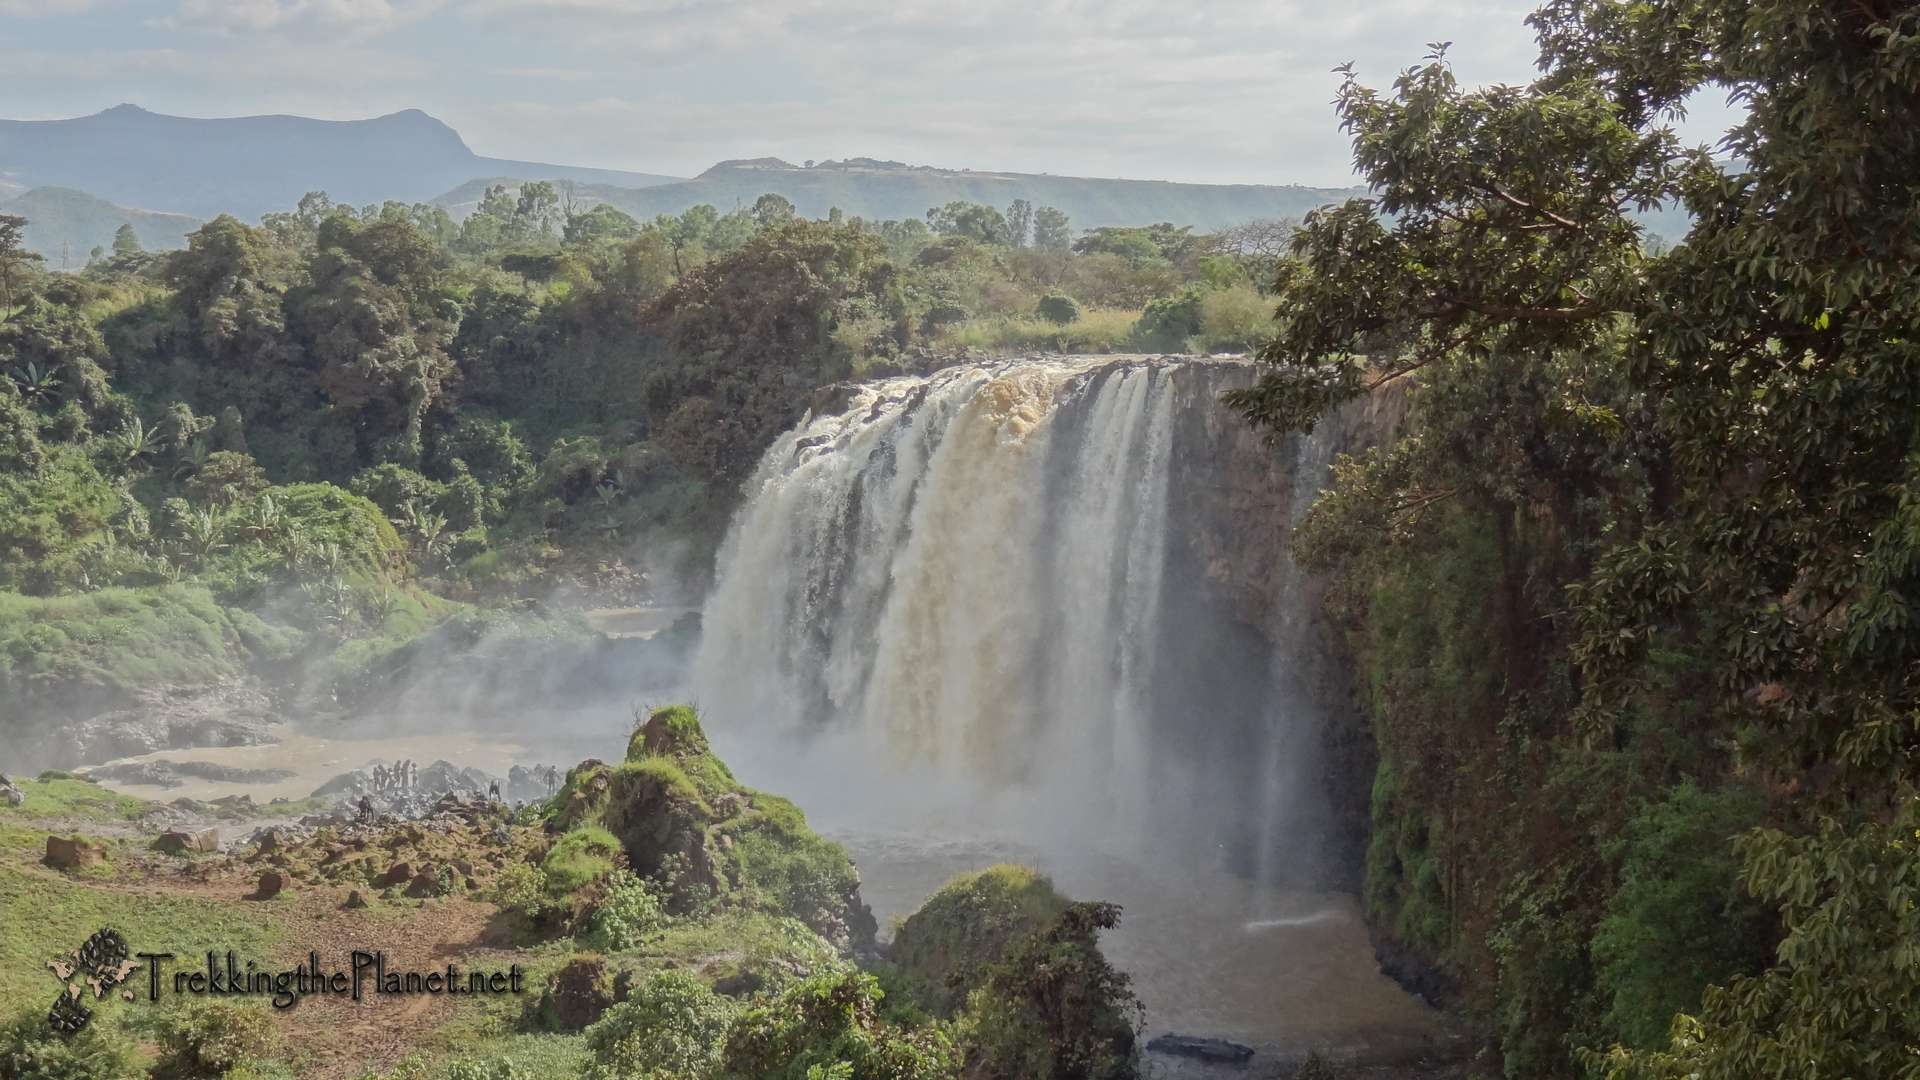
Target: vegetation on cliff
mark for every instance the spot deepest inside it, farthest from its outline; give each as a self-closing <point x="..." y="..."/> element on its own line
<point x="1629" y="589"/>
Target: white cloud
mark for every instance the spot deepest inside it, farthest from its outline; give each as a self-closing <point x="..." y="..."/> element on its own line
<point x="258" y="16"/>
<point x="40" y="9"/>
<point x="1226" y="90"/>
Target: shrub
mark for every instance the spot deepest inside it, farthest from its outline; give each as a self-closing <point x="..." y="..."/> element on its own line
<point x="581" y="858"/>
<point x="669" y="1028"/>
<point x="629" y="915"/>
<point x="1235" y="319"/>
<point x="522" y="888"/>
<point x="1054" y="1008"/>
<point x="30" y="1050"/>
<point x="212" y="1037"/>
<point x="1680" y="918"/>
<point x="1058" y="309"/>
<point x="832" y="1022"/>
<point x="486" y="1070"/>
<point x="1168" y="322"/>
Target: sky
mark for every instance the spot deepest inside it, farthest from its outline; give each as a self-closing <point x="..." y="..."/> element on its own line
<point x="1217" y="91"/>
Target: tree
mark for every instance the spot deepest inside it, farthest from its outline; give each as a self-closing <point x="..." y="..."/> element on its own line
<point x="772" y="209"/>
<point x="1727" y="426"/>
<point x="538" y="214"/>
<point x="1020" y="222"/>
<point x="374" y="323"/>
<point x="601" y="224"/>
<point x="748" y="328"/>
<point x="1050" y="230"/>
<point x="15" y="260"/>
<point x="125" y="241"/>
<point x="973" y="221"/>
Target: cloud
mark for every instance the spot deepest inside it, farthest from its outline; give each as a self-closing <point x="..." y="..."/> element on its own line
<point x="1224" y="90"/>
<point x="41" y="9"/>
<point x="260" y="16"/>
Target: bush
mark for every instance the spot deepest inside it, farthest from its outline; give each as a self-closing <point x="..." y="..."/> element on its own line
<point x="1170" y="321"/>
<point x="30" y="1050"/>
<point x="832" y="1022"/>
<point x="1057" y="309"/>
<point x="629" y="915"/>
<point x="207" y="1039"/>
<point x="486" y="1070"/>
<point x="225" y="478"/>
<point x="669" y="1028"/>
<point x="522" y="888"/>
<point x="581" y="858"/>
<point x="1053" y="1008"/>
<point x="1235" y="319"/>
<point x="1680" y="919"/>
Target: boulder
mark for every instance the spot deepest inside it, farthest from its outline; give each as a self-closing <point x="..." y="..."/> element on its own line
<point x="396" y="874"/>
<point x="180" y="842"/>
<point x="1202" y="1049"/>
<point x="64" y="853"/>
<point x="271" y="884"/>
<point x="425" y="883"/>
<point x="578" y="994"/>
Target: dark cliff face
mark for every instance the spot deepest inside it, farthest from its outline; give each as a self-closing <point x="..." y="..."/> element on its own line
<point x="1236" y="497"/>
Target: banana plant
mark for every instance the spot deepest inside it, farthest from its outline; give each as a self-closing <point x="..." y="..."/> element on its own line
<point x="204" y="531"/>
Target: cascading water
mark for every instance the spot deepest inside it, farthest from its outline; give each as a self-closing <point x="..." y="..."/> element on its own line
<point x="1041" y="610"/>
<point x="981" y="572"/>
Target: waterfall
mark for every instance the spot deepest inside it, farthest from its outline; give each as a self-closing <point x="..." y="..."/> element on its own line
<point x="980" y="572"/>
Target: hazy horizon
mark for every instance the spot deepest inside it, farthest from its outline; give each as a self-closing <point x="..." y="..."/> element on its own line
<point x="1237" y="93"/>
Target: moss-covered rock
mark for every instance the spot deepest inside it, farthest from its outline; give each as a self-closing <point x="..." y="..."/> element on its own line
<point x="687" y="825"/>
<point x="577" y="994"/>
<point x="944" y="948"/>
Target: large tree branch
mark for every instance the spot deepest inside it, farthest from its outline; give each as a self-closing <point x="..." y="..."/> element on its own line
<point x="1521" y="204"/>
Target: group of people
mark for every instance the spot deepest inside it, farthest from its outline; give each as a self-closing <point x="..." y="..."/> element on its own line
<point x="403" y="776"/>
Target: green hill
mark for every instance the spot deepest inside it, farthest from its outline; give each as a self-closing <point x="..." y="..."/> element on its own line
<point x="63" y="225"/>
<point x="890" y="189"/>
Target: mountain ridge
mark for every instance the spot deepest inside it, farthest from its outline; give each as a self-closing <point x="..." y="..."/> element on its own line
<point x="251" y="165"/>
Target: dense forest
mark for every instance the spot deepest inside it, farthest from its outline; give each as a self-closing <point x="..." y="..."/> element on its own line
<point x="353" y="425"/>
<point x="1630" y="596"/>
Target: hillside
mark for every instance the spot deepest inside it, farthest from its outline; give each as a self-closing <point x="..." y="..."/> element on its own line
<point x="63" y="225"/>
<point x="887" y="189"/>
<point x="247" y="166"/>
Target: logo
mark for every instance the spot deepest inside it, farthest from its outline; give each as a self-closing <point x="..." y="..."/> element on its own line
<point x="100" y="963"/>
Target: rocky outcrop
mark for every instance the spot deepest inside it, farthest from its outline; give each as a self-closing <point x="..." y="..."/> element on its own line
<point x="233" y="713"/>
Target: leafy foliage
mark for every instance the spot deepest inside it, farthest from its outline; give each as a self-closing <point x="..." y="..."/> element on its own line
<point x="1694" y="466"/>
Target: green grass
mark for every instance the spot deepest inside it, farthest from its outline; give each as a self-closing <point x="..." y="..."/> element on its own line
<point x="104" y="645"/>
<point x="1097" y="330"/>
<point x="662" y="772"/>
<point x="60" y="795"/>
<point x="43" y="917"/>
